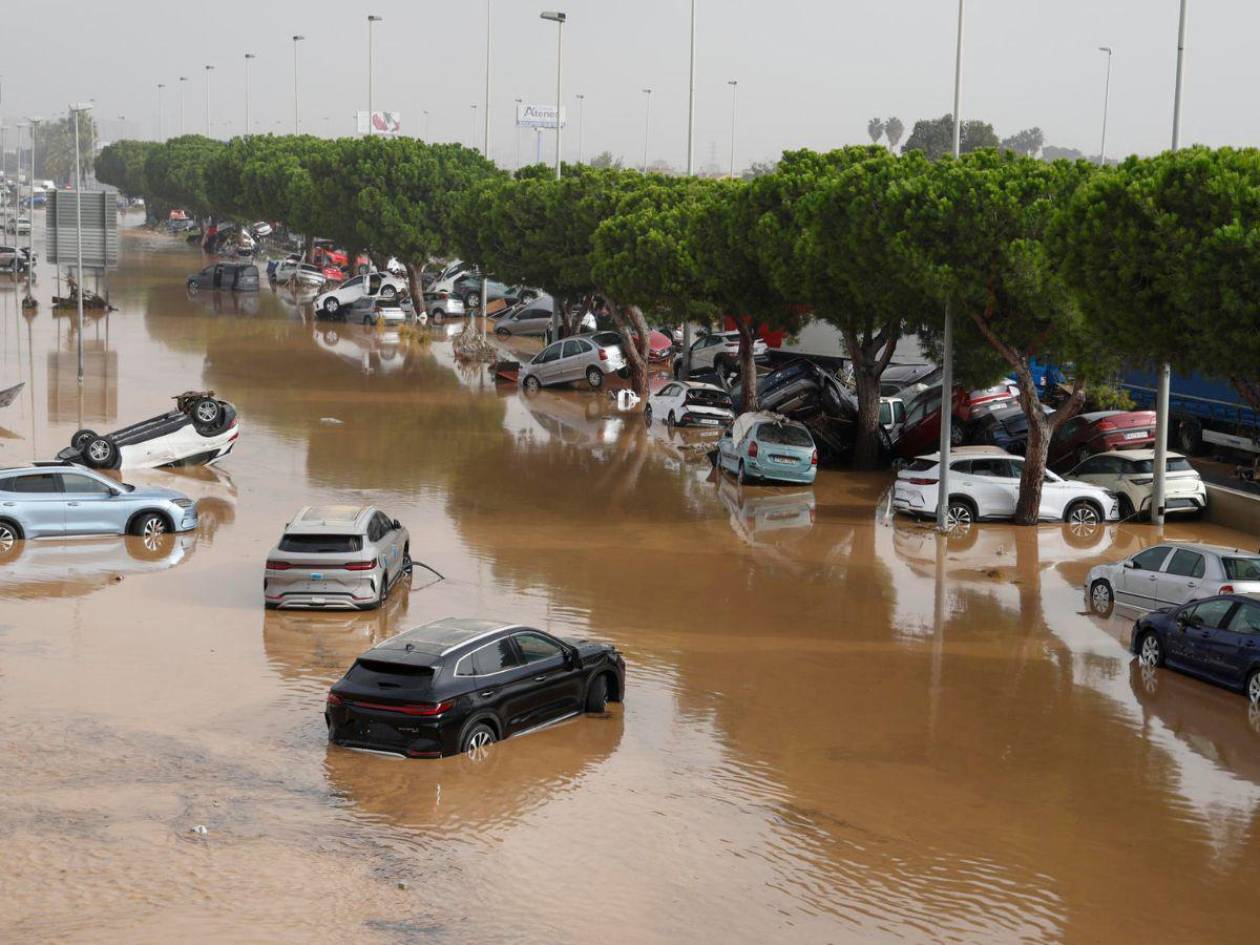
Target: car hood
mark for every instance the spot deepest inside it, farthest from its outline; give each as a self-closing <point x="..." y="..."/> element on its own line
<point x="155" y="492"/>
<point x="590" y="647"/>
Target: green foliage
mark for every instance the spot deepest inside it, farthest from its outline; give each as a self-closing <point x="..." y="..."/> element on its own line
<point x="894" y="128"/>
<point x="1027" y="142"/>
<point x="176" y="172"/>
<point x="875" y="128"/>
<point x="605" y="160"/>
<point x="935" y="137"/>
<point x="54" y="146"/>
<point x="121" y="165"/>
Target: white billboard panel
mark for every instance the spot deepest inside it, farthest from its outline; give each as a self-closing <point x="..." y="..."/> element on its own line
<point x="538" y="116"/>
<point x="388" y="124"/>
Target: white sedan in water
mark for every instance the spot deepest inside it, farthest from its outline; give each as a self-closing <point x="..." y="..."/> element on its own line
<point x="375" y="284"/>
<point x="690" y="404"/>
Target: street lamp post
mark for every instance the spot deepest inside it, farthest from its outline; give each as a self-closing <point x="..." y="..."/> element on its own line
<point x="647" y="124"/>
<point x="947" y="340"/>
<point x="516" y="101"/>
<point x="248" y="57"/>
<point x="209" y="69"/>
<point x="691" y="100"/>
<point x="182" y="80"/>
<point x="1102" y="148"/>
<point x="734" y="84"/>
<point x="474" y="134"/>
<point x="17" y="193"/>
<point x="558" y="19"/>
<point x="1164" y="379"/>
<point x="426" y="125"/>
<point x="296" y="40"/>
<point x="581" y="100"/>
<point x="372" y="18"/>
<point x="485" y="112"/>
<point x="161" y="86"/>
<point x="75" y="111"/>
<point x="30" y="233"/>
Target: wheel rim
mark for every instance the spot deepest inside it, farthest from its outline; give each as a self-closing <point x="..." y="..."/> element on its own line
<point x="1083" y="515"/>
<point x="1253" y="687"/>
<point x="1101" y="597"/>
<point x="7" y="538"/>
<point x="154" y="529"/>
<point x="207" y="411"/>
<point x="532" y="384"/>
<point x="99" y="451"/>
<point x="1150" y="652"/>
<point x="958" y="516"/>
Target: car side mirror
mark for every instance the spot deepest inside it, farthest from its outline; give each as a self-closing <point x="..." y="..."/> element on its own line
<point x="397" y="524"/>
<point x="573" y="658"/>
<point x="1130" y="565"/>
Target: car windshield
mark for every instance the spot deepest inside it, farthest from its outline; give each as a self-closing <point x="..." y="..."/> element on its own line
<point x="785" y="434"/>
<point x="1242" y="569"/>
<point x="321" y="544"/>
<point x="922" y="465"/>
<point x="709" y="398"/>
<point x="1174" y="464"/>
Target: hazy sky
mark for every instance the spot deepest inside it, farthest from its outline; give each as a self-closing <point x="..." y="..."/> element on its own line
<point x="810" y="73"/>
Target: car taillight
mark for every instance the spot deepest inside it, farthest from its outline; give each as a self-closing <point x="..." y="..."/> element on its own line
<point x="1106" y="425"/>
<point x="813" y="460"/>
<point x="752" y="449"/>
<point x="334" y="699"/>
<point x="278" y="565"/>
<point x="415" y="708"/>
<point x="603" y="354"/>
<point x="1226" y="589"/>
<point x="360" y="565"/>
<point x="922" y="482"/>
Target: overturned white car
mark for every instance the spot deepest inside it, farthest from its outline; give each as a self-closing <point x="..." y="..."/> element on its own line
<point x="200" y="430"/>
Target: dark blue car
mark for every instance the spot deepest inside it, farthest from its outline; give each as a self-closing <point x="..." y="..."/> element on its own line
<point x="1216" y="638"/>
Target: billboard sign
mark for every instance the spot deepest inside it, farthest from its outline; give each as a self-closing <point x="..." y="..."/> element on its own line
<point x="538" y="116"/>
<point x="388" y="124"/>
<point x="100" y="229"/>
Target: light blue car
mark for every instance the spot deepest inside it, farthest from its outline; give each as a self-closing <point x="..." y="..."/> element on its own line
<point x="769" y="447"/>
<point x="54" y="500"/>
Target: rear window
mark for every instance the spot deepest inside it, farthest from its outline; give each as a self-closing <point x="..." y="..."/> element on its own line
<point x="922" y="465"/>
<point x="1174" y="464"/>
<point x="784" y="434"/>
<point x="388" y="675"/>
<point x="321" y="544"/>
<point x="1242" y="569"/>
<point x="606" y="339"/>
<point x="709" y="398"/>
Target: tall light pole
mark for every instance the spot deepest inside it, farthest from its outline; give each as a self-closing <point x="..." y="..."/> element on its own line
<point x="30" y="233"/>
<point x="1164" y="379"/>
<point x="647" y="124"/>
<point x="1102" y="148"/>
<point x="248" y="57"/>
<point x="182" y="80"/>
<point x="209" y="69"/>
<point x="474" y="134"/>
<point x="734" y="84"/>
<point x="426" y="125"/>
<point x="372" y="18"/>
<point x="581" y="100"/>
<point x="947" y="341"/>
<point x="75" y="111"/>
<point x="485" y="112"/>
<point x="296" y="40"/>
<point x="558" y="19"/>
<point x="691" y="101"/>
<point x="17" y="193"/>
<point x="161" y="86"/>
<point x="517" y="102"/>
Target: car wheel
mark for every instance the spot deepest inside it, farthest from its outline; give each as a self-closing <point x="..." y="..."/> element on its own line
<point x="101" y="453"/>
<point x="957" y="433"/>
<point x="383" y="594"/>
<point x="1190" y="437"/>
<point x="331" y="305"/>
<point x="192" y="288"/>
<point x="1082" y="516"/>
<point x="670" y="421"/>
<point x="1253" y="687"/>
<point x="960" y="515"/>
<point x="1101" y="599"/>
<point x="82" y="438"/>
<point x="742" y="475"/>
<point x="438" y="316"/>
<point x="150" y="526"/>
<point x="472" y="300"/>
<point x="647" y="415"/>
<point x="1126" y="508"/>
<point x="594" y="377"/>
<point x="388" y="292"/>
<point x="1151" y="652"/>
<point x="597" y="695"/>
<point x="10" y="534"/>
<point x="502" y="332"/>
<point x="477" y="741"/>
<point x="207" y="413"/>
<point x="532" y="384"/>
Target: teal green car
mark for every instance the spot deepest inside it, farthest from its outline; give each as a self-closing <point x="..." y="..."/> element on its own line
<point x="768" y="447"/>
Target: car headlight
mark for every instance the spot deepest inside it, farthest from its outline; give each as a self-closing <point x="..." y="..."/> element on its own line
<point x="185" y="503"/>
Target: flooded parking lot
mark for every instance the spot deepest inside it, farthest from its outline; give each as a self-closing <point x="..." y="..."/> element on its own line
<point x="837" y="727"/>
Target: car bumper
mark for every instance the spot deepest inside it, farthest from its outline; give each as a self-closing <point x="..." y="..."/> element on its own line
<point x="692" y="418"/>
<point x="289" y="591"/>
<point x="353" y="726"/>
<point x="185" y="520"/>
<point x="330" y="601"/>
<point x="781" y="472"/>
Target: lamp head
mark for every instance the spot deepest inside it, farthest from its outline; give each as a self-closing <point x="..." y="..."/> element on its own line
<point x="554" y="15"/>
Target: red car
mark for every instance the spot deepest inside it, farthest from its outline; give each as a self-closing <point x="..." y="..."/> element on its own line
<point x="1090" y="433"/>
<point x="921" y="433"/>
<point x="334" y="274"/>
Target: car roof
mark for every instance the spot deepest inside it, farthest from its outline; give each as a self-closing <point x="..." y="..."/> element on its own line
<point x="1099" y="415"/>
<point x="329" y="519"/>
<point x="963" y="452"/>
<point x="1138" y="454"/>
<point x="440" y="637"/>
<point x="1211" y="549"/>
<point x="45" y="464"/>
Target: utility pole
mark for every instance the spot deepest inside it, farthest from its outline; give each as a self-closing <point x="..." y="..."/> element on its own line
<point x="1102" y="148"/>
<point x="296" y="40"/>
<point x="182" y="80"/>
<point x="485" y="112"/>
<point x="161" y="86"/>
<point x="75" y="110"/>
<point x="734" y="84"/>
<point x="559" y="19"/>
<point x="647" y="125"/>
<point x="372" y="18"/>
<point x="691" y="101"/>
<point x="209" y="69"/>
<point x="947" y="359"/>
<point x="517" y="102"/>
<point x="248" y="57"/>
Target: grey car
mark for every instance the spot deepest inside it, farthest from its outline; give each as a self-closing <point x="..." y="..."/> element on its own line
<point x="573" y="359"/>
<point x="532" y="319"/>
<point x="57" y="500"/>
<point x="337" y="557"/>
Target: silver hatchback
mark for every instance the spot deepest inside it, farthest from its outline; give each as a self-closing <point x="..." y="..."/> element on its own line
<point x="588" y="357"/>
<point x="337" y="557"/>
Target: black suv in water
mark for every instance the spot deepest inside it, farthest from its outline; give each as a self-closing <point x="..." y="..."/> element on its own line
<point x="459" y="685"/>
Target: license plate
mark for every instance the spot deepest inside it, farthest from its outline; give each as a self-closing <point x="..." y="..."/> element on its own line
<point x="1135" y="435"/>
<point x="709" y="422"/>
<point x="785" y="460"/>
<point x="316" y="576"/>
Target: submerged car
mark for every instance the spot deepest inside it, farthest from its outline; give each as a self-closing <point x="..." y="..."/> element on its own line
<point x="1212" y="638"/>
<point x="573" y="359"/>
<point x="56" y="500"/>
<point x="769" y="447"/>
<point x="1171" y="574"/>
<point x="689" y="403"/>
<point x="1131" y="475"/>
<point x="337" y="557"/>
<point x="200" y="430"/>
<point x="238" y="277"/>
<point x="459" y="685"/>
<point x="373" y="284"/>
<point x="442" y="306"/>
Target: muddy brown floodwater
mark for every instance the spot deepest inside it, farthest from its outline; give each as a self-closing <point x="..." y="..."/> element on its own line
<point x="835" y="730"/>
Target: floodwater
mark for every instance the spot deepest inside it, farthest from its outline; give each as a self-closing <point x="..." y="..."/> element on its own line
<point x="837" y="727"/>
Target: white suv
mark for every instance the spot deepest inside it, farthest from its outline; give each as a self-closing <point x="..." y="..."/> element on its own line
<point x="1172" y="574"/>
<point x="1130" y="474"/>
<point x="719" y="351"/>
<point x="984" y="484"/>
<point x="375" y="284"/>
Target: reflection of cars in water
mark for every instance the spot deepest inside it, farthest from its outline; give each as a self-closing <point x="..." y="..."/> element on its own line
<point x="457" y="685"/>
<point x="337" y="557"/>
<point x="201" y="429"/>
<point x="362" y="346"/>
<point x="1217" y="639"/>
<point x="74" y="567"/>
<point x="1170" y="574"/>
<point x="768" y="516"/>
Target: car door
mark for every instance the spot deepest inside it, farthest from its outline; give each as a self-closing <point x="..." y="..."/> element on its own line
<point x="40" y="505"/>
<point x="503" y="682"/>
<point x="572" y="366"/>
<point x="90" y="506"/>
<point x="545" y="364"/>
<point x="991" y="482"/>
<point x="350" y="290"/>
<point x="1061" y="441"/>
<point x="384" y="536"/>
<point x="1097" y="470"/>
<point x="726" y="449"/>
<point x="557" y="681"/>
<point x="1135" y="582"/>
<point x="1179" y="582"/>
<point x="1192" y="639"/>
<point x="1236" y="647"/>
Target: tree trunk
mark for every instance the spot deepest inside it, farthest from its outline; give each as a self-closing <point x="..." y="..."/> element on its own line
<point x="415" y="286"/>
<point x="869" y="360"/>
<point x="630" y="321"/>
<point x="308" y="247"/>
<point x="747" y="363"/>
<point x="1040" y="428"/>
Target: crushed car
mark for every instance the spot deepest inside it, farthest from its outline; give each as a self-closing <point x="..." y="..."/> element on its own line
<point x="200" y="430"/>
